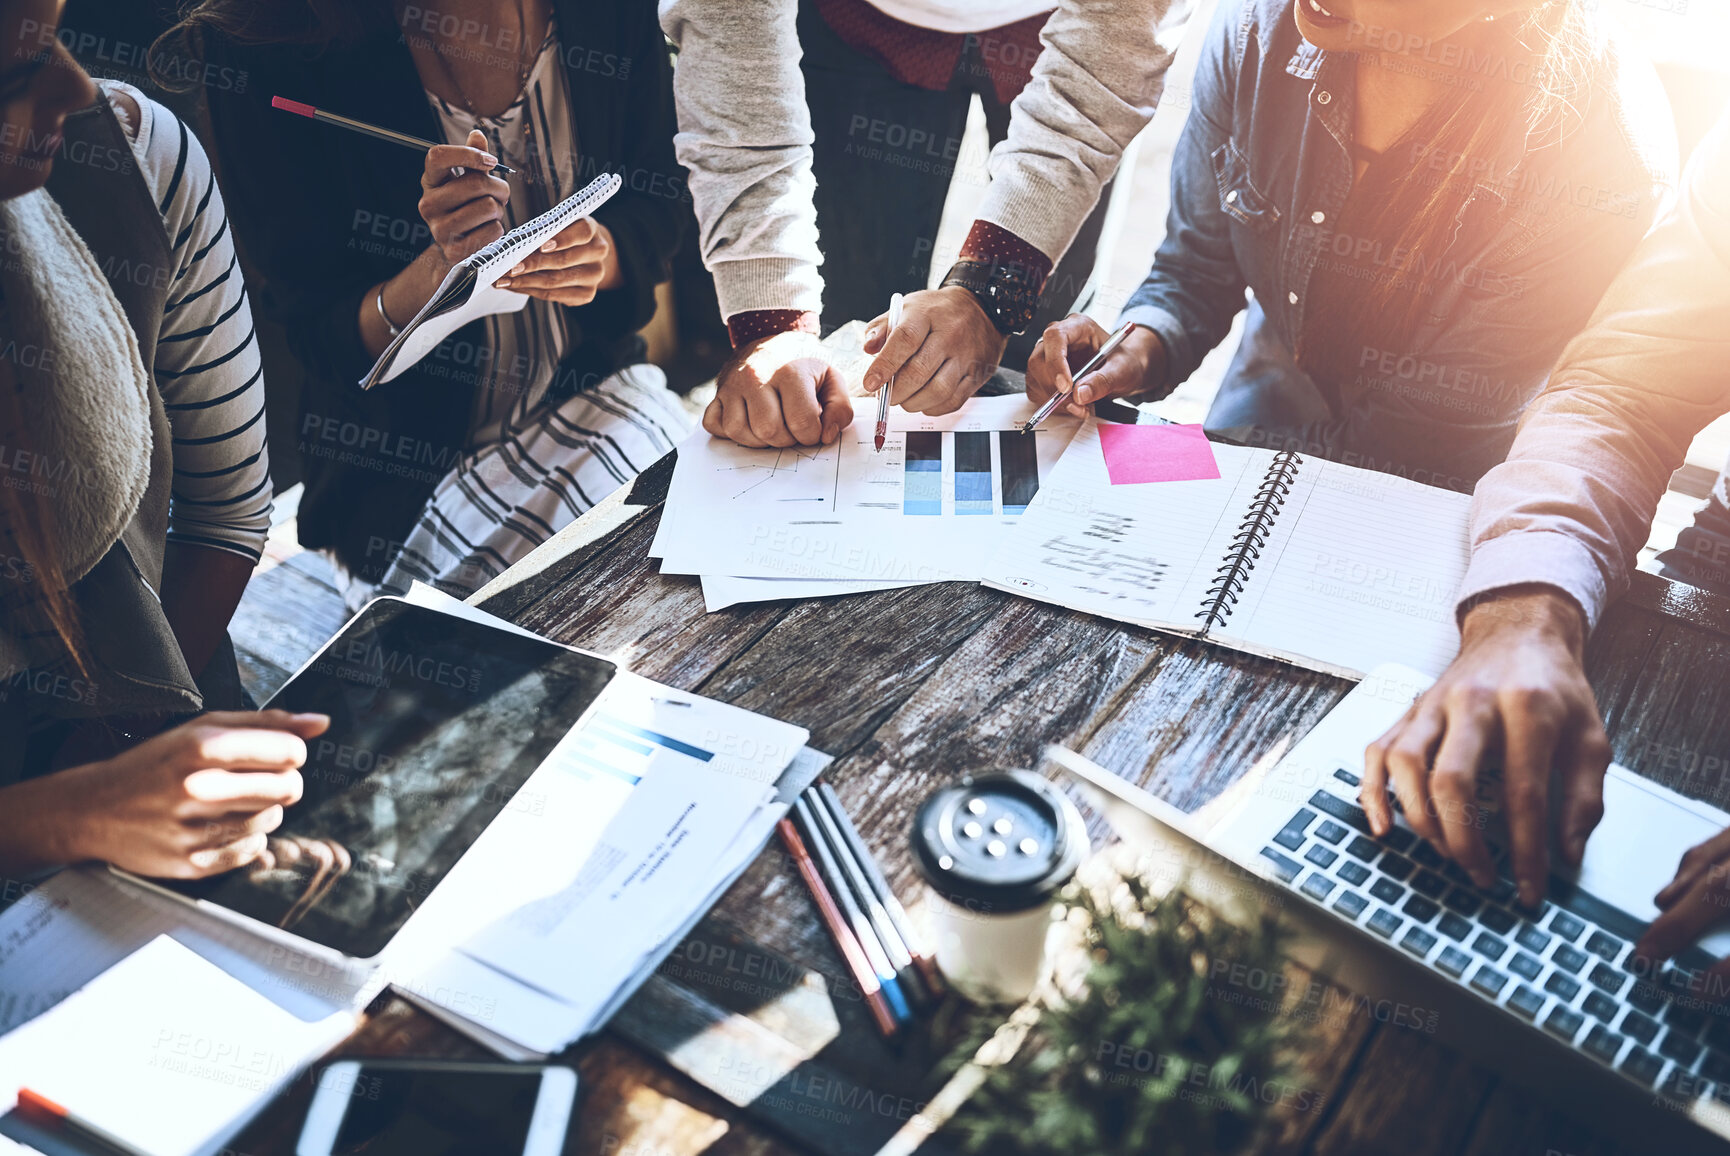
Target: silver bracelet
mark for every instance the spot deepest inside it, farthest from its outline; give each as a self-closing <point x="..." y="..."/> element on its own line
<point x="378" y="302"/>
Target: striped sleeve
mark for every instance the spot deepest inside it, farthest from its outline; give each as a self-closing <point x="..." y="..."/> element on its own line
<point x="207" y="359"/>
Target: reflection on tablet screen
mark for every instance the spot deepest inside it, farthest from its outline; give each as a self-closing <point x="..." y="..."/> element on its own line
<point x="436" y="721"/>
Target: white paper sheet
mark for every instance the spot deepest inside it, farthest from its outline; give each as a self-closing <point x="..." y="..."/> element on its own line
<point x="165" y="1050"/>
<point x="929" y="508"/>
<point x="722" y="591"/>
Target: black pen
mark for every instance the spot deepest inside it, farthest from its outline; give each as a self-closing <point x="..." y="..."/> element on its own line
<point x="1093" y="363"/>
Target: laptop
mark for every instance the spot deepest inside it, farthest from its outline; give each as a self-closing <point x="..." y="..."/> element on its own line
<point x="1550" y="997"/>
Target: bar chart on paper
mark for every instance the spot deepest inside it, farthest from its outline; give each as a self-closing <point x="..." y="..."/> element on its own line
<point x="941" y="489"/>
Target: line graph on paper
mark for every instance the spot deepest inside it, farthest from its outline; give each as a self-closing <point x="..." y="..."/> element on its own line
<point x="802" y="476"/>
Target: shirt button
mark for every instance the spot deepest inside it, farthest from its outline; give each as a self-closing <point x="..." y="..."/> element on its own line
<point x="1231" y="197"/>
<point x="1324" y="96"/>
<point x="1292" y="297"/>
<point x="1318" y="217"/>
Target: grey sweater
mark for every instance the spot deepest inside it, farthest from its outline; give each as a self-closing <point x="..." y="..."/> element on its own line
<point x="745" y="134"/>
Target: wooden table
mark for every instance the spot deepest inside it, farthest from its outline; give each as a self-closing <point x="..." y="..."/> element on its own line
<point x="910" y="688"/>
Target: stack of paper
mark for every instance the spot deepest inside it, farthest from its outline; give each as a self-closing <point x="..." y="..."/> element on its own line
<point x="611" y="851"/>
<point x="760" y="524"/>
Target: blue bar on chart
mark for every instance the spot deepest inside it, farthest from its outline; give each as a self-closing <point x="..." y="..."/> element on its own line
<point x="1019" y="456"/>
<point x="973" y="473"/>
<point x="610" y="745"/>
<point x="923" y="485"/>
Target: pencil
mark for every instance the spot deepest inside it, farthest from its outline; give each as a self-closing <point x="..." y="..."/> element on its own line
<point x="916" y="947"/>
<point x="862" y="931"/>
<point x="365" y="129"/>
<point x="854" y="956"/>
<point x="36" y="1104"/>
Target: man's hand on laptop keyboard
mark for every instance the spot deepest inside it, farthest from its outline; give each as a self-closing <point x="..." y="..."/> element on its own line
<point x="1692" y="902"/>
<point x="1517" y="688"/>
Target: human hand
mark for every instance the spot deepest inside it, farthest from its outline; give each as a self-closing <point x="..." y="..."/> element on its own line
<point x="193" y="801"/>
<point x="944" y="349"/>
<point x="1135" y="366"/>
<point x="782" y="391"/>
<point x="1697" y="898"/>
<point x="570" y="268"/>
<point x="1517" y="684"/>
<point x="461" y="201"/>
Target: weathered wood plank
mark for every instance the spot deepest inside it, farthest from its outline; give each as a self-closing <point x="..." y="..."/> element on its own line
<point x="1406" y="1094"/>
<point x="1511" y="1124"/>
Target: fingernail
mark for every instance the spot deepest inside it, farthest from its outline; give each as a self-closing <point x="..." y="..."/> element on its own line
<point x="1083" y="394"/>
<point x="502" y="283"/>
<point x="490" y="159"/>
<point x="515" y="269"/>
<point x="548" y="247"/>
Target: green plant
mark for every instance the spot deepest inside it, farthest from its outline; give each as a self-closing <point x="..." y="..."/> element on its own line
<point x="1167" y="1045"/>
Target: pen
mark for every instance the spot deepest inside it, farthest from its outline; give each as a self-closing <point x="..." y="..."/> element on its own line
<point x="365" y="129"/>
<point x="851" y="953"/>
<point x="922" y="957"/>
<point x="868" y="942"/>
<point x="1093" y="363"/>
<point x="894" y="946"/>
<point x="883" y="394"/>
<point x="75" y="1128"/>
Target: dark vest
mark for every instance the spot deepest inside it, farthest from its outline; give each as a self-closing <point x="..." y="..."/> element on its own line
<point x="135" y="668"/>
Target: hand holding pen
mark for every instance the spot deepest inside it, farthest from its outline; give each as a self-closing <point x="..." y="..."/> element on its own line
<point x="1130" y="361"/>
<point x="882" y="433"/>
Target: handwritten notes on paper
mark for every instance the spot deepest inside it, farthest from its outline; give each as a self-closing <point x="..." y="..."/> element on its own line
<point x="1156" y="453"/>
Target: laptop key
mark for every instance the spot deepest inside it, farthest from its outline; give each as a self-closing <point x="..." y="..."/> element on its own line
<point x="1488" y="980"/>
<point x="1420" y="909"/>
<point x="1426" y="854"/>
<point x="1384" y="923"/>
<point x="1350" y="814"/>
<point x="1463" y="901"/>
<point x="1564" y="987"/>
<point x="1350" y="904"/>
<point x="1680" y="1047"/>
<point x="1453" y="926"/>
<point x="1604" y="945"/>
<point x="1489" y="946"/>
<point x="1453" y="961"/>
<point x="1317" y="887"/>
<point x="1396" y="866"/>
<point x="1430" y="884"/>
<point x="1525" y="966"/>
<point x="1286" y="868"/>
<point x="1418" y="941"/>
<point x="1321" y="856"/>
<point x="1363" y="848"/>
<point x="1687" y="1019"/>
<point x="1387" y="890"/>
<point x="1497" y="920"/>
<point x="1608" y="978"/>
<point x="1602" y="1043"/>
<point x="1647" y="997"/>
<point x="1331" y="832"/>
<point x="1641" y="1027"/>
<point x="1567" y="925"/>
<point x="1569" y="958"/>
<point x="1718" y="1033"/>
<point x="1642" y="1065"/>
<point x="1600" y="1005"/>
<point x="1353" y="873"/>
<point x="1531" y="939"/>
<point x="1348" y="778"/>
<point x="1526" y="1002"/>
<point x="1716" y="1067"/>
<point x="1504" y="889"/>
<point x="1399" y="838"/>
<point x="1564" y="1022"/>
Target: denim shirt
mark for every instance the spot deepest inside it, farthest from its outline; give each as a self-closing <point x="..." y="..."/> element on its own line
<point x="1260" y="175"/>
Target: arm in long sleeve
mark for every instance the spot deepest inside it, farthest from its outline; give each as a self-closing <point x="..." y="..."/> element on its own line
<point x="1195" y="287"/>
<point x="1574" y="501"/>
<point x="1095" y="86"/>
<point x="745" y="135"/>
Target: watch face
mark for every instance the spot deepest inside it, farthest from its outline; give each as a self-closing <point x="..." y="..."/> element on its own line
<point x="1008" y="292"/>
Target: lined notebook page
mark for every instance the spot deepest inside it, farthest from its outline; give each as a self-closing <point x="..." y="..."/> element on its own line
<point x="1144" y="553"/>
<point x="1361" y="568"/>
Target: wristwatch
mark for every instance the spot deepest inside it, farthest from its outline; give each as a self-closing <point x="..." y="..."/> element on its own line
<point x="1008" y="291"/>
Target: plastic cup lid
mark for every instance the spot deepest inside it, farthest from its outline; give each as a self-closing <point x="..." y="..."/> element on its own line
<point x="1001" y="842"/>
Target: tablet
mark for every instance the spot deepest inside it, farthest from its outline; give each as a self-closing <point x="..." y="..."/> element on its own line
<point x="435" y="722"/>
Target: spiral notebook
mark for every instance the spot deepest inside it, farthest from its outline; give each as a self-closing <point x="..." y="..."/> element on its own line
<point x="468" y="290"/>
<point x="1285" y="555"/>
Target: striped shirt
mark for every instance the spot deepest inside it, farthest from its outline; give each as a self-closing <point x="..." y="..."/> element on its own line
<point x="207" y="362"/>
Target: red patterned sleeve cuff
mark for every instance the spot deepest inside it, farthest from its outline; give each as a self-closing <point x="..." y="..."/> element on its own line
<point x="994" y="245"/>
<point x="747" y="327"/>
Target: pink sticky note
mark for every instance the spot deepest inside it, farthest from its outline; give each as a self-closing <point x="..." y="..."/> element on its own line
<point x="1156" y="453"/>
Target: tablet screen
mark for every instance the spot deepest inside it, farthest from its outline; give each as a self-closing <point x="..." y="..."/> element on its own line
<point x="435" y="723"/>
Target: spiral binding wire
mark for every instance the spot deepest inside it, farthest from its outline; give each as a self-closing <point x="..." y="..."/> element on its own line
<point x="578" y="205"/>
<point x="1247" y="543"/>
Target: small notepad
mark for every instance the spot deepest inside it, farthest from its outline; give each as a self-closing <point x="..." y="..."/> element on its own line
<point x="469" y="290"/>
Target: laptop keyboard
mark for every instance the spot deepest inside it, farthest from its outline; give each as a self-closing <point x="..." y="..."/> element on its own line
<point x="1566" y="968"/>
